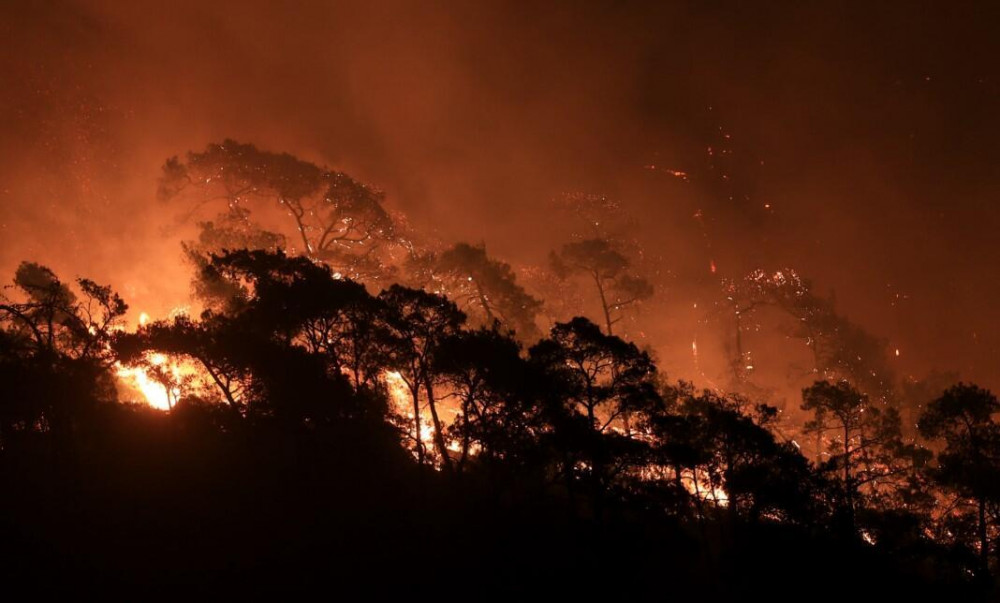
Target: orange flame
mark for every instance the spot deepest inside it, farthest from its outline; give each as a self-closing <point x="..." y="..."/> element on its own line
<point x="161" y="391"/>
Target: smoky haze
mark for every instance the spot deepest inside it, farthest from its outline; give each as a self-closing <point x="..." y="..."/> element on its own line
<point x="856" y="143"/>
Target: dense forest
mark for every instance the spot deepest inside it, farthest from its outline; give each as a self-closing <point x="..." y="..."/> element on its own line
<point x="357" y="409"/>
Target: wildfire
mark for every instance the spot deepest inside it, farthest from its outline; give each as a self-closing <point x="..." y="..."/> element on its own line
<point x="160" y="378"/>
<point x="158" y="382"/>
<point x="399" y="393"/>
<point x="402" y="402"/>
<point x="700" y="486"/>
<point x="694" y="481"/>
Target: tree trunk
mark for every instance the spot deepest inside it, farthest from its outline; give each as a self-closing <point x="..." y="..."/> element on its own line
<point x="466" y="405"/>
<point x="604" y="302"/>
<point x="697" y="495"/>
<point x="438" y="434"/>
<point x="415" y="392"/>
<point x="485" y="303"/>
<point x="679" y="480"/>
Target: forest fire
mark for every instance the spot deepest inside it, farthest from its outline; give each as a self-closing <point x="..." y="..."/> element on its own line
<point x="401" y="400"/>
<point x="160" y="392"/>
<point x="161" y="379"/>
<point x="332" y="285"/>
<point x="402" y="404"/>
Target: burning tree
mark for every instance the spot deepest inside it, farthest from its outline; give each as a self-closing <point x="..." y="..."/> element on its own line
<point x="419" y="322"/>
<point x="604" y="251"/>
<point x="272" y="352"/>
<point x="213" y="343"/>
<point x="337" y="219"/>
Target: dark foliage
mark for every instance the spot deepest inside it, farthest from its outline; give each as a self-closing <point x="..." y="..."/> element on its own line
<point x="569" y="469"/>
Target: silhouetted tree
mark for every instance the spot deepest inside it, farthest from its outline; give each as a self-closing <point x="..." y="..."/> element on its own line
<point x="56" y="321"/>
<point x="602" y="376"/>
<point x="608" y="270"/>
<point x="291" y="434"/>
<point x="760" y="476"/>
<point x="867" y="454"/>
<point x="261" y="375"/>
<point x="305" y="303"/>
<point x="915" y="395"/>
<point x="499" y="420"/>
<point x="338" y="220"/>
<point x="718" y="449"/>
<point x="54" y="352"/>
<point x="293" y="297"/>
<point x="214" y="342"/>
<point x="419" y="323"/>
<point x="231" y="230"/>
<point x="604" y="381"/>
<point x="480" y="285"/>
<point x="969" y="465"/>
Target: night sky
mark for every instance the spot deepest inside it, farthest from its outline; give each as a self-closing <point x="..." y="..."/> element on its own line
<point x="855" y="142"/>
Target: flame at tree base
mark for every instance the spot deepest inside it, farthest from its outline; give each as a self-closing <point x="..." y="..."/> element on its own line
<point x="402" y="404"/>
<point x="160" y="379"/>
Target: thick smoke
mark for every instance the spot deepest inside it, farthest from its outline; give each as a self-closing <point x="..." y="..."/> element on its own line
<point x="854" y="143"/>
